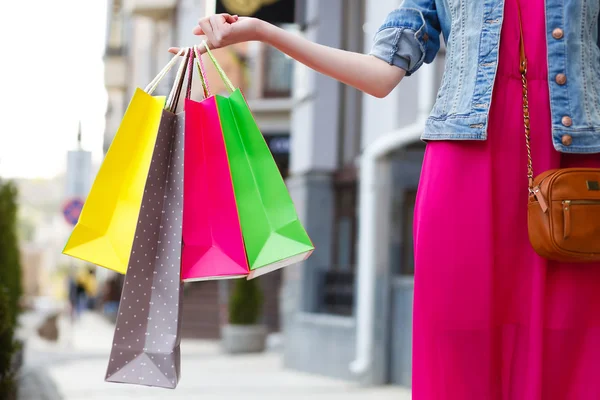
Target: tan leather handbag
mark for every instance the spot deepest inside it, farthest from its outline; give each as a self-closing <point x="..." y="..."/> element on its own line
<point x="564" y="204"/>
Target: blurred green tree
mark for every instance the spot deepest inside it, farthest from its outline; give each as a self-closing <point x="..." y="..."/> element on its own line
<point x="10" y="286"/>
<point x="10" y="259"/>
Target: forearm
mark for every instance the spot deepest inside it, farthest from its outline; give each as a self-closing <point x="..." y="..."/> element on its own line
<point x="364" y="72"/>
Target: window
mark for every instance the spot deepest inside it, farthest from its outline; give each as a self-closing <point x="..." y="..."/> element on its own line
<point x="407" y="266"/>
<point x="344" y="230"/>
<point x="338" y="292"/>
<point x="279" y="144"/>
<point x="278" y="73"/>
<point x="116" y="30"/>
<point x="338" y="280"/>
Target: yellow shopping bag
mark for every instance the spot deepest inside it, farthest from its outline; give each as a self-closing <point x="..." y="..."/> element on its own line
<point x="106" y="227"/>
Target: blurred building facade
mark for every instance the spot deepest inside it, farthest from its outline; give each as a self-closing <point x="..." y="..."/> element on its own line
<point x="330" y="312"/>
<point x="348" y="313"/>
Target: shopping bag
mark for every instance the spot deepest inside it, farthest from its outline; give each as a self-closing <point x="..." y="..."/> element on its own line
<point x="273" y="234"/>
<point x="146" y="342"/>
<point x="104" y="232"/>
<point x="213" y="244"/>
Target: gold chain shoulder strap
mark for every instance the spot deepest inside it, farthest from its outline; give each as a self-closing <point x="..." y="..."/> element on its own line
<point x="523" y="69"/>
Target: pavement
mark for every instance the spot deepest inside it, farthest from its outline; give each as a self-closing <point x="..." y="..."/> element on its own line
<point x="73" y="369"/>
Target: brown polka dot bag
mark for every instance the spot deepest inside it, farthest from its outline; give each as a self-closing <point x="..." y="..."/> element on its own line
<point x="145" y="348"/>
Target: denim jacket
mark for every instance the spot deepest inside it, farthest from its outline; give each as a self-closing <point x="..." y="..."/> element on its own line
<point x="411" y="34"/>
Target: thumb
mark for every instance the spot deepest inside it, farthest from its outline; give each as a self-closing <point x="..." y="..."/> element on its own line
<point x="201" y="49"/>
<point x="230" y="19"/>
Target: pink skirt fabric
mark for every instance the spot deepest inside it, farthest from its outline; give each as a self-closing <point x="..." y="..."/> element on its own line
<point x="493" y="320"/>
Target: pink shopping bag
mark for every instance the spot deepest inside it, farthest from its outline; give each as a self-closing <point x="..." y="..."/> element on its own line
<point x="213" y="247"/>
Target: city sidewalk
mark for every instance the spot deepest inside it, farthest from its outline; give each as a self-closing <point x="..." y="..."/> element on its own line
<point x="77" y="365"/>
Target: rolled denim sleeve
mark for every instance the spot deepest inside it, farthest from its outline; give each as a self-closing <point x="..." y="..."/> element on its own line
<point x="409" y="36"/>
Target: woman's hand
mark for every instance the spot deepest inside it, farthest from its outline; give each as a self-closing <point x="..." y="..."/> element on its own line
<point x="223" y="30"/>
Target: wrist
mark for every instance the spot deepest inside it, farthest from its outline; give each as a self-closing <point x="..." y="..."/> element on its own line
<point x="261" y="28"/>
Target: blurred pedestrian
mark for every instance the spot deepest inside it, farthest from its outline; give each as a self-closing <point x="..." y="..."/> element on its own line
<point x="73" y="296"/>
<point x="111" y="297"/>
<point x="86" y="288"/>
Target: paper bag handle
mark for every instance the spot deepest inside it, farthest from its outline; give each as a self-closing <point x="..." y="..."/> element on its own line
<point x="220" y="70"/>
<point x="190" y="68"/>
<point x="151" y="87"/>
<point x="202" y="73"/>
<point x="173" y="98"/>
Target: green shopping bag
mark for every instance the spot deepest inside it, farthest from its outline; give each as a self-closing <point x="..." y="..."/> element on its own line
<point x="273" y="235"/>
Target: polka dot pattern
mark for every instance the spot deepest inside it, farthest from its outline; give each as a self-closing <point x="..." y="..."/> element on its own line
<point x="146" y="343"/>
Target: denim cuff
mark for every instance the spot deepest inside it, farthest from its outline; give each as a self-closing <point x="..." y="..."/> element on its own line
<point x="399" y="47"/>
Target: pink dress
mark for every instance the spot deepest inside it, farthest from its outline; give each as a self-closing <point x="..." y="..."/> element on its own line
<point x="493" y="320"/>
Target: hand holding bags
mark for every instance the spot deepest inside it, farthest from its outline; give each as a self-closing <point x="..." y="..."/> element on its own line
<point x="227" y="213"/>
<point x="147" y="334"/>
<point x="104" y="233"/>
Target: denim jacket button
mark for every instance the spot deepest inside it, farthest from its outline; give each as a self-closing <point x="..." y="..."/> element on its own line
<point x="567" y="121"/>
<point x="558" y="33"/>
<point x="561" y="79"/>
<point x="567" y="140"/>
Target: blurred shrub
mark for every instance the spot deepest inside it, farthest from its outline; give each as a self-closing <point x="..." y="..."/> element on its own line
<point x="10" y="287"/>
<point x="245" y="305"/>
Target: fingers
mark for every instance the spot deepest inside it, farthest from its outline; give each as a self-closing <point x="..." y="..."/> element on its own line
<point x="230" y="19"/>
<point x="176" y="50"/>
<point x="208" y="30"/>
<point x="216" y="23"/>
<point x="200" y="47"/>
<point x="212" y="28"/>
